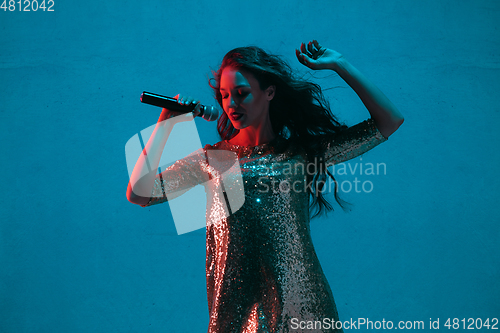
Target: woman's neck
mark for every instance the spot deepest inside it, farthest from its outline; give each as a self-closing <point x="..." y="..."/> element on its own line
<point x="254" y="136"/>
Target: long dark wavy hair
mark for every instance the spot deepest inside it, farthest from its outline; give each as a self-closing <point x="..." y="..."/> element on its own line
<point x="298" y="112"/>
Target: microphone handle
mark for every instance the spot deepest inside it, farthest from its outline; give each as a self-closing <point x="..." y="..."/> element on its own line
<point x="168" y="103"/>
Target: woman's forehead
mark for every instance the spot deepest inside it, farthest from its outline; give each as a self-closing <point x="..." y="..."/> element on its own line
<point x="232" y="77"/>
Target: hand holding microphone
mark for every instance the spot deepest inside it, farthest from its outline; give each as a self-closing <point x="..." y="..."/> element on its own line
<point x="178" y="105"/>
<point x="182" y="101"/>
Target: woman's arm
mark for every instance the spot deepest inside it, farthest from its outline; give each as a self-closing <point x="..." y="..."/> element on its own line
<point x="385" y="114"/>
<point x="382" y="110"/>
<point x="144" y="173"/>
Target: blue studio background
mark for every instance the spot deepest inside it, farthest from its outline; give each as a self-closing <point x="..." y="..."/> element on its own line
<point x="76" y="256"/>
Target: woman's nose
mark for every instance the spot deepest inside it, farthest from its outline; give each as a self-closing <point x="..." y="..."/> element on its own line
<point x="232" y="102"/>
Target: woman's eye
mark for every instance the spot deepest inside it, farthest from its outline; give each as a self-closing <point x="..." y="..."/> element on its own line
<point x="238" y="93"/>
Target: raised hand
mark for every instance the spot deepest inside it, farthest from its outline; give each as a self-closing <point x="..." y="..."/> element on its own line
<point x="317" y="57"/>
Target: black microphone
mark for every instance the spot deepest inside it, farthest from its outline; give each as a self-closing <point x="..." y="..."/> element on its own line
<point x="209" y="113"/>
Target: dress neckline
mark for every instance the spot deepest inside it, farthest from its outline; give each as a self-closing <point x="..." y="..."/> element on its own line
<point x="259" y="149"/>
<point x="270" y="143"/>
<point x="241" y="146"/>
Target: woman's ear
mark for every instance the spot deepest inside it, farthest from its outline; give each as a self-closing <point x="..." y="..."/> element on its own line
<point x="270" y="92"/>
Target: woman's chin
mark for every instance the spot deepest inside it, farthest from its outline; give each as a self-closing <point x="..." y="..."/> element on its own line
<point x="238" y="125"/>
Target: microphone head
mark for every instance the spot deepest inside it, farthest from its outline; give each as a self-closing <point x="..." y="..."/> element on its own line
<point x="210" y="113"/>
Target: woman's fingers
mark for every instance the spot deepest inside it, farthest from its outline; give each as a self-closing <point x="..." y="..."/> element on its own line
<point x="306" y="54"/>
<point x="314" y="49"/>
<point x="315" y="56"/>
<point x="197" y="109"/>
<point x="186" y="100"/>
<point x="180" y="98"/>
<point x="303" y="58"/>
<point x="307" y="49"/>
<point x="310" y="48"/>
<point x="303" y="48"/>
<point x="298" y="54"/>
<point x="183" y="100"/>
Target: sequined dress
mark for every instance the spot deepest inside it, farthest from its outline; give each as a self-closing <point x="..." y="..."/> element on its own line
<point x="262" y="271"/>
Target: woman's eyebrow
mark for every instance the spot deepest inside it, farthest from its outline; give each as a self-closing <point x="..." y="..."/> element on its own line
<point x="240" y="86"/>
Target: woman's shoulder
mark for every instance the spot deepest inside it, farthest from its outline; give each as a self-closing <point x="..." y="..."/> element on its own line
<point x="215" y="146"/>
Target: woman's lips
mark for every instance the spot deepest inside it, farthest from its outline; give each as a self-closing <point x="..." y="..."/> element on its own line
<point x="236" y="116"/>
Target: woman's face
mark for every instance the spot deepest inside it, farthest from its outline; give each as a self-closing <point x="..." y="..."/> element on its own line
<point x="242" y="99"/>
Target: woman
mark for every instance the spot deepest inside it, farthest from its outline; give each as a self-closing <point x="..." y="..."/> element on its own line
<point x="263" y="274"/>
